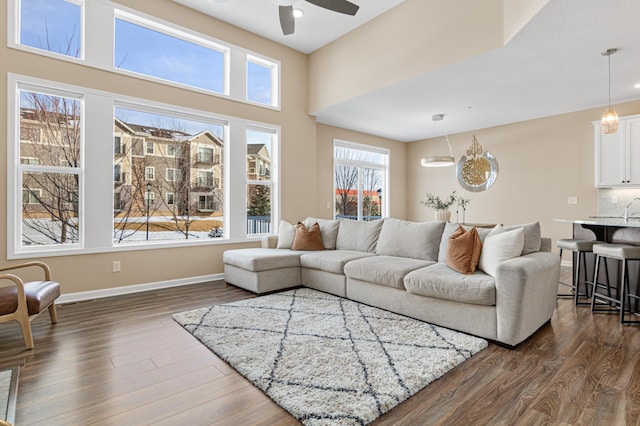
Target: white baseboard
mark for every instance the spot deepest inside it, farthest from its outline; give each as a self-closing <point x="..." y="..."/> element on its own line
<point x="137" y="288"/>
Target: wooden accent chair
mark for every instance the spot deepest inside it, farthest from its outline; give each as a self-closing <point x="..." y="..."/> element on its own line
<point x="22" y="301"/>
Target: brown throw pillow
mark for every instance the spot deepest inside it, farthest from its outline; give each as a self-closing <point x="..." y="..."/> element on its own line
<point x="307" y="239"/>
<point x="463" y="250"/>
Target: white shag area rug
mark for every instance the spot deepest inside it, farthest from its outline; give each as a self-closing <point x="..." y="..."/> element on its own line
<point x="325" y="359"/>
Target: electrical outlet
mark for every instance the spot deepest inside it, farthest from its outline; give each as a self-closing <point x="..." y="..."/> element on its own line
<point x="116" y="266"/>
<point x="614" y="199"/>
<point x="328" y="204"/>
<point x="572" y="200"/>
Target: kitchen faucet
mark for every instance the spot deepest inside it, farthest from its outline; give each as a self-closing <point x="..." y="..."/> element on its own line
<point x="626" y="209"/>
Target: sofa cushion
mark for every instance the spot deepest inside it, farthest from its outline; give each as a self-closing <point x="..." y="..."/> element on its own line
<point x="449" y="229"/>
<point x="328" y="229"/>
<point x="262" y="259"/>
<point x="444" y="283"/>
<point x="286" y="234"/>
<point x="532" y="236"/>
<point x="358" y="235"/>
<point x="418" y="240"/>
<point x="330" y="260"/>
<point x="463" y="252"/>
<point x="500" y="245"/>
<point x="307" y="238"/>
<point x="383" y="270"/>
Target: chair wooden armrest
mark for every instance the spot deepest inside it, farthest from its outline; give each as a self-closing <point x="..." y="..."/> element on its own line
<point x="44" y="266"/>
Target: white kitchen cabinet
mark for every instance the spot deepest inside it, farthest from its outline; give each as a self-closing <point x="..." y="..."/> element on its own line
<point x="617" y="155"/>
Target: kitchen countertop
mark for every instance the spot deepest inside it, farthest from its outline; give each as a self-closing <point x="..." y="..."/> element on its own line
<point x="633" y="222"/>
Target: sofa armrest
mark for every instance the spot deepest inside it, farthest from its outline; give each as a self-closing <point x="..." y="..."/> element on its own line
<point x="269" y="241"/>
<point x="545" y="244"/>
<point x="526" y="292"/>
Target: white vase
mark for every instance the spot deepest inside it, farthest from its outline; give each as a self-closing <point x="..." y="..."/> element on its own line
<point x="443" y="215"/>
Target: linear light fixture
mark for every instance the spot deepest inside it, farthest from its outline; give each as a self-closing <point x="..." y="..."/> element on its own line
<point x="439" y="160"/>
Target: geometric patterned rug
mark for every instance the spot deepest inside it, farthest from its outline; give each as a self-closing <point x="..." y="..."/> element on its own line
<point x="325" y="359"/>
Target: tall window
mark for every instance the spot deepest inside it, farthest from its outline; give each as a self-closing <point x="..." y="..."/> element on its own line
<point x="50" y="191"/>
<point x="155" y="50"/>
<point x="57" y="185"/>
<point x="187" y="202"/>
<point x="52" y="25"/>
<point x="360" y="176"/>
<point x="259" y="185"/>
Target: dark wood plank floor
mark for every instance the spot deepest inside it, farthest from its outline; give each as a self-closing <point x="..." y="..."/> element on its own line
<point x="124" y="361"/>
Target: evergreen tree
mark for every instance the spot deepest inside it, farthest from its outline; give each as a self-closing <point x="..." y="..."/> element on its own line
<point x="259" y="201"/>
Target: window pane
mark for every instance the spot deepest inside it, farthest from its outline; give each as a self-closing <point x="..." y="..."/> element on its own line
<point x="259" y="83"/>
<point x="156" y="54"/>
<point x="49" y="208"/>
<point x="346" y="181"/>
<point x="259" y="155"/>
<point x="52" y="25"/>
<point x="49" y="129"/>
<point x="359" y="179"/>
<point x="371" y="194"/>
<point x="185" y="195"/>
<point x="258" y="209"/>
<point x="360" y="155"/>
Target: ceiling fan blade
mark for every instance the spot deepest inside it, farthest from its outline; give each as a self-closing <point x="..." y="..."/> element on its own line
<point x="287" y="22"/>
<point x="341" y="6"/>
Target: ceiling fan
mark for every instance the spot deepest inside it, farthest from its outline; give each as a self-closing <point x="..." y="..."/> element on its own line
<point x="287" y="20"/>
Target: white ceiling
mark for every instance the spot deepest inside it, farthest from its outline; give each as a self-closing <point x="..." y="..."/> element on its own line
<point x="313" y="30"/>
<point x="552" y="66"/>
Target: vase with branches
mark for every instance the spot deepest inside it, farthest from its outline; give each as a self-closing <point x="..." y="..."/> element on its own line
<point x="440" y="205"/>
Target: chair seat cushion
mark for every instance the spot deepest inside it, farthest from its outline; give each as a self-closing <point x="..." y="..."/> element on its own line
<point x="576" y="245"/>
<point x="444" y="283"/>
<point x="617" y="251"/>
<point x="262" y="259"/>
<point x="383" y="270"/>
<point x="331" y="260"/>
<point x="39" y="294"/>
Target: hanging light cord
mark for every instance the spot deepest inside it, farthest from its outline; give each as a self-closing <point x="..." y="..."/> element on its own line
<point x="609" y="57"/>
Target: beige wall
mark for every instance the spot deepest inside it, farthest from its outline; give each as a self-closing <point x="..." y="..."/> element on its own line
<point x="324" y="156"/>
<point x="93" y="272"/>
<point x="541" y="162"/>
<point x="411" y="39"/>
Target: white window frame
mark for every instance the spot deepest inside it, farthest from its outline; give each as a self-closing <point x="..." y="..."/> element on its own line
<point x="97" y="47"/>
<point x="384" y="167"/>
<point x="149" y="173"/>
<point x="13" y="27"/>
<point x="275" y="201"/>
<point x="96" y="206"/>
<point x="30" y="192"/>
<point x="171" y="147"/>
<point x="172" y="175"/>
<point x="274" y="67"/>
<point x="173" y="198"/>
<point x="16" y="170"/>
<point x="149" y="147"/>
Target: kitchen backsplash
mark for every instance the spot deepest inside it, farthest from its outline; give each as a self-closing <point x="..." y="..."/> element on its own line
<point x="611" y="202"/>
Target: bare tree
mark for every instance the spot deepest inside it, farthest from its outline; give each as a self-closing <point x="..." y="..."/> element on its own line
<point x="371" y="182"/>
<point x="346" y="181"/>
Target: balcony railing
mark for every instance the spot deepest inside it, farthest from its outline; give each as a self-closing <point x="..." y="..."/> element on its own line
<point x="258" y="225"/>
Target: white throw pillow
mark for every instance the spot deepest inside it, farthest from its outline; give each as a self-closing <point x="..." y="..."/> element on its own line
<point x="286" y="234"/>
<point x="500" y="245"/>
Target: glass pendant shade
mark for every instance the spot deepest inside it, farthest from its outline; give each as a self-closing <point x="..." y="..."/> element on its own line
<point x="609" y="121"/>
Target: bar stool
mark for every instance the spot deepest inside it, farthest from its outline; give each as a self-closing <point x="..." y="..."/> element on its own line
<point x="581" y="248"/>
<point x="623" y="253"/>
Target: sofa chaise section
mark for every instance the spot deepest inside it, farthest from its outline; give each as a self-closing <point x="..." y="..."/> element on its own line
<point x="262" y="270"/>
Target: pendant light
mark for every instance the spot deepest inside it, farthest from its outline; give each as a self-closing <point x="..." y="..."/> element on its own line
<point x="610" y="117"/>
<point x="439" y="160"/>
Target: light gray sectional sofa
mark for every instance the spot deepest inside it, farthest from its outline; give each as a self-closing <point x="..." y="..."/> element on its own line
<point x="400" y="266"/>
